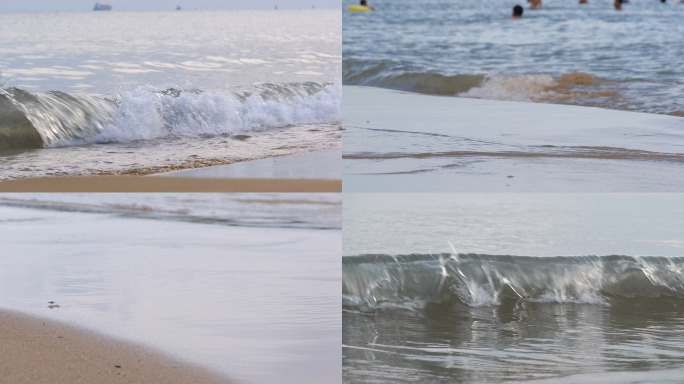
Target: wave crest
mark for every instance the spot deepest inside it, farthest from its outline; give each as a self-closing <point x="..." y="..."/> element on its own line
<point x="49" y="119"/>
<point x="539" y="87"/>
<point x="372" y="281"/>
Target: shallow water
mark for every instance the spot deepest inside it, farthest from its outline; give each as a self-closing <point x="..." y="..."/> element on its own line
<point x="397" y="141"/>
<point x="632" y="341"/>
<point x="87" y="92"/>
<point x="245" y="284"/>
<point x="512" y="287"/>
<point x="582" y="54"/>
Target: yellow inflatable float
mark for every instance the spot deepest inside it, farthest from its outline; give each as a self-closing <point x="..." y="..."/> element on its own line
<point x="359" y="8"/>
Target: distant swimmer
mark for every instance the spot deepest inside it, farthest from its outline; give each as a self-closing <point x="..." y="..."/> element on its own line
<point x="583" y="1"/>
<point x="364" y="3"/>
<point x="535" y="4"/>
<point x="517" y="12"/>
<point x="618" y="4"/>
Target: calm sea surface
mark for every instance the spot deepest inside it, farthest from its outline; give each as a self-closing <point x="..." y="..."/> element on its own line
<point x="245" y="284"/>
<point x="459" y="288"/>
<point x="145" y="92"/>
<point x="583" y="54"/>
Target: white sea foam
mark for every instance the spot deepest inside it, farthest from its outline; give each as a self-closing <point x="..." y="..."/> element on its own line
<point x="512" y="88"/>
<point x="193" y="122"/>
<point x="144" y="113"/>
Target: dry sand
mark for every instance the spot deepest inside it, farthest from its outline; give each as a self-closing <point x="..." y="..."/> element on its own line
<point x="166" y="184"/>
<point x="34" y="350"/>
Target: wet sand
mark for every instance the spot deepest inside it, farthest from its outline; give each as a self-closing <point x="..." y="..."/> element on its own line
<point x="323" y="165"/>
<point x="398" y="141"/>
<point x="166" y="184"/>
<point x="34" y="350"/>
<point x="310" y="172"/>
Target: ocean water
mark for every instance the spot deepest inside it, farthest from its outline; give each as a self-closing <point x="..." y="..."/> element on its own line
<point x="446" y="288"/>
<point x="243" y="284"/>
<point x="446" y="96"/>
<point x="570" y="53"/>
<point x="90" y="93"/>
<point x="435" y="136"/>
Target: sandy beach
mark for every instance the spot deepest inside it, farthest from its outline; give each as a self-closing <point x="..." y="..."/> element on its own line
<point x="35" y="350"/>
<point x="323" y="165"/>
<point x="310" y="172"/>
<point x="245" y="285"/>
<point x="144" y="184"/>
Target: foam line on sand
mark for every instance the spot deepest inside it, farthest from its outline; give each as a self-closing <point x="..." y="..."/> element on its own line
<point x="34" y="350"/>
<point x="323" y="165"/>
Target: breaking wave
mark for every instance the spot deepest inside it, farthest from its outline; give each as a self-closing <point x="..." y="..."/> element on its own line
<point x="575" y="85"/>
<point x="537" y="87"/>
<point x="391" y="75"/>
<point x="373" y="281"/>
<point x="50" y="119"/>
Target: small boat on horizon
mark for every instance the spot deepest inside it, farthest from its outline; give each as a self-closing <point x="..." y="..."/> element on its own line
<point x="102" y="7"/>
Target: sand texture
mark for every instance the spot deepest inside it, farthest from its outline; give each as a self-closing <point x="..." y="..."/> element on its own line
<point x="318" y="171"/>
<point x="166" y="184"/>
<point x="322" y="165"/>
<point x="38" y="351"/>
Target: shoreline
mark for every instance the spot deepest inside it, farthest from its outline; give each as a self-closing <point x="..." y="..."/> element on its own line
<point x="318" y="171"/>
<point x="39" y="350"/>
<point x="324" y="165"/>
<point x="165" y="184"/>
<point x="400" y="141"/>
